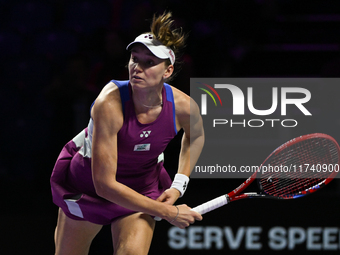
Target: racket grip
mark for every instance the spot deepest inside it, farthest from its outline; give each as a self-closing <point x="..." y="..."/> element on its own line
<point x="207" y="207"/>
<point x="211" y="205"/>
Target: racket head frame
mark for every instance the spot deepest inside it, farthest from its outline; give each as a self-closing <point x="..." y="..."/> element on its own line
<point x="312" y="188"/>
<point x="236" y="193"/>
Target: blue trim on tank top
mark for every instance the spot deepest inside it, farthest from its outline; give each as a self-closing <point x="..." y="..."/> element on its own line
<point x="170" y="97"/>
<point x="125" y="96"/>
<point x="124" y="91"/>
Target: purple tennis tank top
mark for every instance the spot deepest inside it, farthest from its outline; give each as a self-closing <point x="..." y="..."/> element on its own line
<point x="139" y="145"/>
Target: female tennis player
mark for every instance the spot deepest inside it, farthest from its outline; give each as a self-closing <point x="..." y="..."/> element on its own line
<point x="112" y="172"/>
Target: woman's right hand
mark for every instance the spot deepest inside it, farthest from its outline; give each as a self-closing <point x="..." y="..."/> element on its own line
<point x="182" y="216"/>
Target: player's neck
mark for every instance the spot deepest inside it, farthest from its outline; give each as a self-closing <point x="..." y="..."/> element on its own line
<point x="147" y="98"/>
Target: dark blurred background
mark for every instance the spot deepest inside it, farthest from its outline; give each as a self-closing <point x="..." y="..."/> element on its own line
<point x="56" y="55"/>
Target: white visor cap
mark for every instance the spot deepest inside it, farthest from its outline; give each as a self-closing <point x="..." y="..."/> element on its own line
<point x="155" y="46"/>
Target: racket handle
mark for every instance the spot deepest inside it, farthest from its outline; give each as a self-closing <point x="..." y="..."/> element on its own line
<point x="207" y="207"/>
<point x="211" y="205"/>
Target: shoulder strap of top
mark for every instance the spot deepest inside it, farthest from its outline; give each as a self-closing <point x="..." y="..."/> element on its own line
<point x="170" y="98"/>
<point x="124" y="93"/>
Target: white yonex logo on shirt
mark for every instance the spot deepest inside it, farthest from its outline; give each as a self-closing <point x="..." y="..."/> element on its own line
<point x="145" y="134"/>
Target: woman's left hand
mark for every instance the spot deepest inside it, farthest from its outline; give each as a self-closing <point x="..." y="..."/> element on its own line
<point x="169" y="196"/>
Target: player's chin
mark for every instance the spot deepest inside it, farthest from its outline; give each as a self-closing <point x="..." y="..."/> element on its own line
<point x="140" y="84"/>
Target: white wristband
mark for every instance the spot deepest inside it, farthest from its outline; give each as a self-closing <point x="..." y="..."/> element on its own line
<point x="180" y="183"/>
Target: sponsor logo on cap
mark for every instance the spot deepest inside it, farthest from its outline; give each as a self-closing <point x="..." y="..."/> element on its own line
<point x="172" y="56"/>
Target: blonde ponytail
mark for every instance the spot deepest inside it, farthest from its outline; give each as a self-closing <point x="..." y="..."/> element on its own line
<point x="162" y="28"/>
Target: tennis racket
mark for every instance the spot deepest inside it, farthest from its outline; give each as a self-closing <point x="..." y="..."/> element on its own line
<point x="298" y="167"/>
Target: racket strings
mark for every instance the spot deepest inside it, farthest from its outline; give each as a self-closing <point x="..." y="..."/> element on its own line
<point x="293" y="184"/>
<point x="299" y="167"/>
<point x="309" y="178"/>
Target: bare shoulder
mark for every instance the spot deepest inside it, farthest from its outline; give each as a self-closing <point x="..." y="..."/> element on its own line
<point x="107" y="106"/>
<point x="110" y="91"/>
<point x="183" y="102"/>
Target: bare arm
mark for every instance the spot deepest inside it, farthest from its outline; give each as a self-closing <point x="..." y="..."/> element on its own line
<point x="192" y="140"/>
<point x="188" y="118"/>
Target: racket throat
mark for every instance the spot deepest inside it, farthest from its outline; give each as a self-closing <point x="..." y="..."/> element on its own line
<point x="247" y="195"/>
